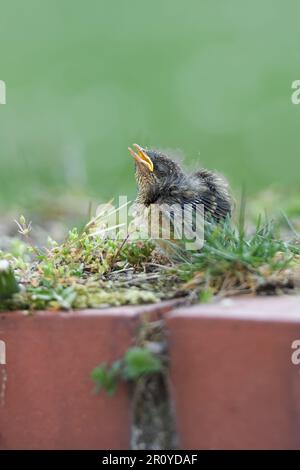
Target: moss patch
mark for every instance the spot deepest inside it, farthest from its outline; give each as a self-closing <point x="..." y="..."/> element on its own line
<point x="90" y="271"/>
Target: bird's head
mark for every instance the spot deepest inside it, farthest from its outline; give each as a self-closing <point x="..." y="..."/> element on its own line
<point x="155" y="173"/>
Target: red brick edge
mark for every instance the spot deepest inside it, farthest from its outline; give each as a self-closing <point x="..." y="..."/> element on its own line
<point x="233" y="382"/>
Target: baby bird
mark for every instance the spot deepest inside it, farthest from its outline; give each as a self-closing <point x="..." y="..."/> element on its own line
<point x="161" y="180"/>
<point x="164" y="188"/>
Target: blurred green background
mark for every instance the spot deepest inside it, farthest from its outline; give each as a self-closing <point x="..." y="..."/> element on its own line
<point x="86" y="79"/>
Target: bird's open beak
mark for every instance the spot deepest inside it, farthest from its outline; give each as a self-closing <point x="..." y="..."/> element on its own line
<point x="141" y="157"/>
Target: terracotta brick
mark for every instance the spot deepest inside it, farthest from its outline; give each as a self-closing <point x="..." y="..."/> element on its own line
<point x="48" y="402"/>
<point x="233" y="381"/>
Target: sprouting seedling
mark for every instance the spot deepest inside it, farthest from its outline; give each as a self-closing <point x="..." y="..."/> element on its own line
<point x="25" y="230"/>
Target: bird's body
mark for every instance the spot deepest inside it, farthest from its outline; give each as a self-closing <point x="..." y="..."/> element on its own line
<point x="167" y="183"/>
<point x="163" y="183"/>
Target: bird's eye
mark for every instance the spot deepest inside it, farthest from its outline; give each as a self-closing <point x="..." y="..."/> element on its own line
<point x="161" y="170"/>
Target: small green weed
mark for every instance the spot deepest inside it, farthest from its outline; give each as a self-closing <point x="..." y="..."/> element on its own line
<point x="137" y="362"/>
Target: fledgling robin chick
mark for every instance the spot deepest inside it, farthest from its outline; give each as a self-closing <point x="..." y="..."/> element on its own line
<point x="162" y="181"/>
